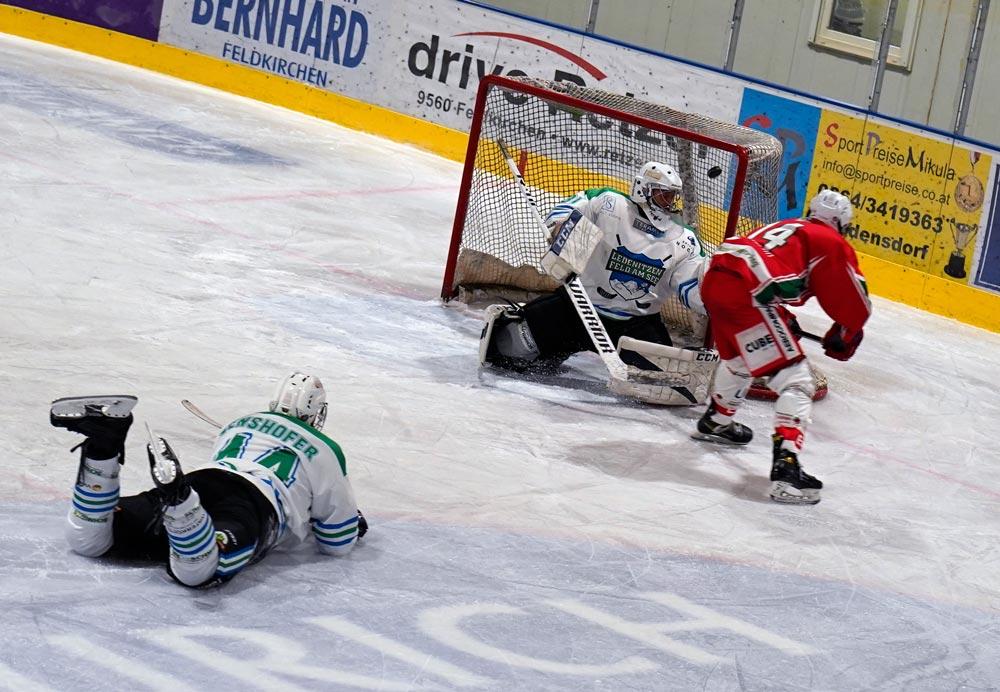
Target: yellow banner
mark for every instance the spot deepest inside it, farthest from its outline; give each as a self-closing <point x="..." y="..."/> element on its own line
<point x="918" y="202"/>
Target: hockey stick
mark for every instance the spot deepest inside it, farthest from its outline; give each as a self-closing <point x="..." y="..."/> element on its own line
<point x="199" y="413"/>
<point x="578" y="295"/>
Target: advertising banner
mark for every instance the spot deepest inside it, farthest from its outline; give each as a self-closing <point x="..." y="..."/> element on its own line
<point x="322" y="43"/>
<point x="425" y="58"/>
<point x="988" y="273"/>
<point x="140" y="19"/>
<point x="795" y="125"/>
<point x="918" y="200"/>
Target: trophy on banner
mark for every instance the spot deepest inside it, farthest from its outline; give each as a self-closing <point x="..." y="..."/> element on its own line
<point x="969" y="196"/>
<point x="962" y="233"/>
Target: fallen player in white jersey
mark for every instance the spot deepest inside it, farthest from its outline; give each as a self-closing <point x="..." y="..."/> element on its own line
<point x="275" y="478"/>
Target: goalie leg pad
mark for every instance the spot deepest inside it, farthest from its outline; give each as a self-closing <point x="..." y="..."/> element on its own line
<point x="490" y="316"/>
<point x="676" y="377"/>
<point x="506" y="340"/>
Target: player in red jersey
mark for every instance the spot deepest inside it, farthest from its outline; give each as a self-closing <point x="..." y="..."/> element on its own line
<point x="746" y="286"/>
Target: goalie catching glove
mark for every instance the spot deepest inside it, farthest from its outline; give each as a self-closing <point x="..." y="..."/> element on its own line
<point x="574" y="243"/>
<point x="672" y="376"/>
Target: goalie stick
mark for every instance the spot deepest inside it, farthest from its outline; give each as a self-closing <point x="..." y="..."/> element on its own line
<point x="578" y="295"/>
<point x="199" y="413"/>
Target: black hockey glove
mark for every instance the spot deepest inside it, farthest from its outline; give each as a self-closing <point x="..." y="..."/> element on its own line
<point x="838" y="346"/>
<point x="791" y="321"/>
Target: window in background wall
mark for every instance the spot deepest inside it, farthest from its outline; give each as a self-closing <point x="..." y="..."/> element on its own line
<point x="855" y="26"/>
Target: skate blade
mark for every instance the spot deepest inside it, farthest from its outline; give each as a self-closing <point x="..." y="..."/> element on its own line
<point x="162" y="463"/>
<point x="788" y="494"/>
<point x="717" y="439"/>
<point x="112" y="406"/>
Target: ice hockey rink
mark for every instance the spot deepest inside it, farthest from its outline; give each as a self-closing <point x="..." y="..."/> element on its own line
<point x="171" y="241"/>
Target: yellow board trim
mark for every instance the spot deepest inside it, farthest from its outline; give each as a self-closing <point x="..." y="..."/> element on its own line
<point x="931" y="293"/>
<point x="895" y="282"/>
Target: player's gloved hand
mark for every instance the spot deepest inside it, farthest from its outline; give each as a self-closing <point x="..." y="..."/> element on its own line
<point x="556" y="267"/>
<point x="791" y="320"/>
<point x="572" y="247"/>
<point x="840" y="344"/>
<point x="362" y="524"/>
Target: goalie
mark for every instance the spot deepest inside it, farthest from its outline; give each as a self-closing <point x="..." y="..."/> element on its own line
<point x="631" y="254"/>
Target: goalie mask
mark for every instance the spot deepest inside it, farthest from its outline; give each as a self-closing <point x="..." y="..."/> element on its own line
<point x="301" y="396"/>
<point x="831" y="208"/>
<point x="656" y="189"/>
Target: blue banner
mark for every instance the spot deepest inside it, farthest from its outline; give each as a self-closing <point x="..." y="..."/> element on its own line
<point x="795" y="125"/>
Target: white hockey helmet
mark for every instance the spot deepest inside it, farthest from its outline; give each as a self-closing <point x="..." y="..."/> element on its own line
<point x="656" y="189"/>
<point x="831" y="208"/>
<point x="301" y="396"/>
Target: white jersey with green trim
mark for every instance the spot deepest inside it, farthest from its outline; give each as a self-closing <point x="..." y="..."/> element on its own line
<point x="636" y="267"/>
<point x="301" y="471"/>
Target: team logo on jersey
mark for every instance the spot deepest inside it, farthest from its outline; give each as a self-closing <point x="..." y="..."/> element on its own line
<point x="632" y="274"/>
<point x="608" y="204"/>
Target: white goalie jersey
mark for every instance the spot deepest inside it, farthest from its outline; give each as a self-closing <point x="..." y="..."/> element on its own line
<point x="300" y="470"/>
<point x="636" y="267"/>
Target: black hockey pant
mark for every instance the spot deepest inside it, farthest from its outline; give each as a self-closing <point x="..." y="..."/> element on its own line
<point x="237" y="508"/>
<point x="559" y="333"/>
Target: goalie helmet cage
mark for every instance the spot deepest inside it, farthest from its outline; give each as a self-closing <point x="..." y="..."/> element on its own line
<point x="566" y="138"/>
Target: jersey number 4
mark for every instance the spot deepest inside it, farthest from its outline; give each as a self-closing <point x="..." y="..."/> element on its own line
<point x="282" y="461"/>
<point x="776" y="236"/>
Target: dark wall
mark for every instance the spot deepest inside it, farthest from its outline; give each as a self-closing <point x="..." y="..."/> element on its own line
<point x="136" y="17"/>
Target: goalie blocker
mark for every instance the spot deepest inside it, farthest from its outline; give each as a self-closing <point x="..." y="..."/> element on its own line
<point x="572" y="247"/>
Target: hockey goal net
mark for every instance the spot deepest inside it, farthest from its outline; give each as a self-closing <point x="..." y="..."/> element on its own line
<point x="566" y="138"/>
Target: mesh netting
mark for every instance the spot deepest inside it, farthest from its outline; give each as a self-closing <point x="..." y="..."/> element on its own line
<point x="567" y="138"/>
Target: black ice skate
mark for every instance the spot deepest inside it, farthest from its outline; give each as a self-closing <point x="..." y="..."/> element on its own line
<point x="789" y="483"/>
<point x="731" y="433"/>
<point x="104" y="420"/>
<point x="166" y="471"/>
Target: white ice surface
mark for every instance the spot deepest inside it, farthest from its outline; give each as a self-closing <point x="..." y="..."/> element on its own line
<point x="170" y="241"/>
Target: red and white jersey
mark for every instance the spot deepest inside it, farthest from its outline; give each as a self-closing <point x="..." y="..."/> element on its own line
<point x="790" y="261"/>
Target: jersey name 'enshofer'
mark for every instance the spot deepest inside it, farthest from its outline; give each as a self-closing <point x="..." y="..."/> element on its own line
<point x="299" y="469"/>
